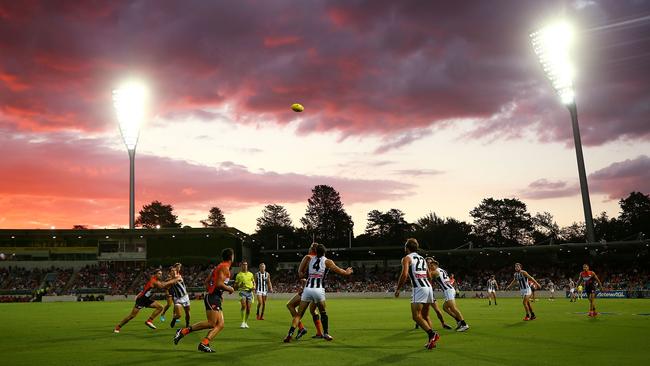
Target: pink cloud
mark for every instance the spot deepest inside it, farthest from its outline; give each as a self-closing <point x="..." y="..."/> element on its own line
<point x="81" y="181"/>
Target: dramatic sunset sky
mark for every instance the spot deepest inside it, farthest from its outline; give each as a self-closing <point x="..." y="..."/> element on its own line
<point x="417" y="105"/>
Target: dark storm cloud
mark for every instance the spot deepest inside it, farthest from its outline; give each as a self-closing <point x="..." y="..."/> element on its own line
<point x="360" y="67"/>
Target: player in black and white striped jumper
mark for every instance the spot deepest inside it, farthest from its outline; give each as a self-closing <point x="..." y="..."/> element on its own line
<point x="440" y="276"/>
<point x="522" y="277"/>
<point x="316" y="269"/>
<point x="263" y="286"/>
<point x="492" y="287"/>
<point x="414" y="267"/>
<point x="180" y="296"/>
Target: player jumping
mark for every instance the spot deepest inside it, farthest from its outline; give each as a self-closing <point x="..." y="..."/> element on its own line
<point x="415" y="268"/>
<point x="316" y="268"/>
<point x="589" y="278"/>
<point x="522" y="278"/>
<point x="215" y="284"/>
<point x="294" y="302"/>
<point x="144" y="300"/>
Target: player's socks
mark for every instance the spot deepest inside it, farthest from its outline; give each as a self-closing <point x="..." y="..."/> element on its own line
<point x="325" y="321"/>
<point x="186" y="331"/>
<point x="318" y="325"/>
<point x="173" y="322"/>
<point x="243" y="316"/>
<point x="205" y="341"/>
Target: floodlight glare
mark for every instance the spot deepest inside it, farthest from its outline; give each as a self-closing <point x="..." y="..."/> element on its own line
<point x="552" y="45"/>
<point x="130" y="101"/>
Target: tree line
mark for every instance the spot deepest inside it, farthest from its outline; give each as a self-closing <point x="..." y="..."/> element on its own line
<point x="495" y="223"/>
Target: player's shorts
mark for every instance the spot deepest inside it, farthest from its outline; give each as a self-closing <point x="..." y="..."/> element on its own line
<point x="143" y="302"/>
<point x="213" y="301"/>
<point x="491" y="292"/>
<point x="260" y="293"/>
<point x="526" y="291"/>
<point x="422" y="295"/>
<point x="315" y="295"/>
<point x="248" y="295"/>
<point x="449" y="294"/>
<point x="572" y="290"/>
<point x="590" y="289"/>
<point x="183" y="301"/>
<point x="552" y="290"/>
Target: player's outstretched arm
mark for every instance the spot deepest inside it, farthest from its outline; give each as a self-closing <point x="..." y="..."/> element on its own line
<point x="532" y="279"/>
<point x="406" y="262"/>
<point x="511" y="283"/>
<point x="167" y="284"/>
<point x="334" y="268"/>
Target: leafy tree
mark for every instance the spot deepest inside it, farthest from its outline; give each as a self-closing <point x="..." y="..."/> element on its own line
<point x="635" y="213"/>
<point x="156" y="213"/>
<point x="215" y="219"/>
<point x="79" y="227"/>
<point x="273" y="217"/>
<point x="389" y="225"/>
<point x="434" y="232"/>
<point x="326" y="217"/>
<point x="502" y="222"/>
<point x="574" y="233"/>
<point x="608" y="229"/>
<point x="545" y="228"/>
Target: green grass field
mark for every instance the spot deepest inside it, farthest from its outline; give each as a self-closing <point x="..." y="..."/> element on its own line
<point x="366" y="332"/>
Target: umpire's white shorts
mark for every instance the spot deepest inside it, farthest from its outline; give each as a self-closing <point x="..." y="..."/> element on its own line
<point x="449" y="294"/>
<point x="183" y="301"/>
<point x="422" y="295"/>
<point x="526" y="291"/>
<point x="315" y="295"/>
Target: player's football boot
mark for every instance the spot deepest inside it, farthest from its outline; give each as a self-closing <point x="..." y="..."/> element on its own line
<point x="287" y="339"/>
<point x="432" y="341"/>
<point x="533" y="317"/>
<point x="178" y="336"/>
<point x="116" y="330"/>
<point x="446" y="326"/>
<point x="527" y="318"/>
<point x="205" y="348"/>
<point x="327" y="337"/>
<point x="317" y="336"/>
<point x="463" y="328"/>
<point x="301" y="333"/>
<point x="150" y="324"/>
<point x="162" y="318"/>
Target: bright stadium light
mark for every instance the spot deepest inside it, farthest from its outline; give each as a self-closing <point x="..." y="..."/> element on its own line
<point x="553" y="45"/>
<point x="130" y="101"/>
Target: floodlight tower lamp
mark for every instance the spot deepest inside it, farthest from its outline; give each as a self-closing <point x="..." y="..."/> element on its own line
<point x="130" y="102"/>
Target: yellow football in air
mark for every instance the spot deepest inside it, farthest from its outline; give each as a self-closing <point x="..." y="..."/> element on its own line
<point x="297" y="107"/>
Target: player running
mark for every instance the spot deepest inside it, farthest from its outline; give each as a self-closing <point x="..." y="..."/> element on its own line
<point x="245" y="284"/>
<point x="522" y="277"/>
<point x="589" y="278"/>
<point x="216" y="284"/>
<point x="180" y="297"/>
<point x="572" y="290"/>
<point x="144" y="300"/>
<point x="492" y="288"/>
<point x="415" y="268"/>
<point x="263" y="286"/>
<point x="170" y="300"/>
<point x="316" y="268"/>
<point x="294" y="302"/>
<point x="450" y="307"/>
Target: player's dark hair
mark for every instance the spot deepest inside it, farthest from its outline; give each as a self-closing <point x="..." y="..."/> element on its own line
<point x="227" y="254"/>
<point x="412" y="245"/>
<point x="320" y="250"/>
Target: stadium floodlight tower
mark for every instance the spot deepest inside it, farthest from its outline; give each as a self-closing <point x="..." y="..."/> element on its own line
<point x="130" y="101"/>
<point x="552" y="45"/>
